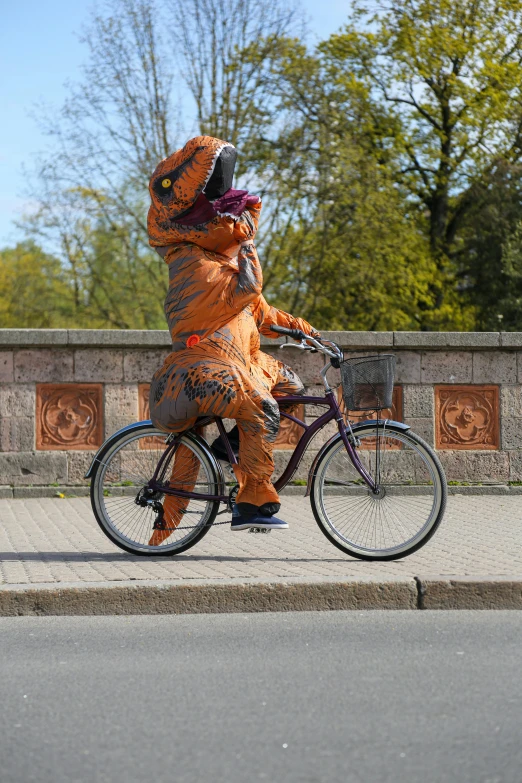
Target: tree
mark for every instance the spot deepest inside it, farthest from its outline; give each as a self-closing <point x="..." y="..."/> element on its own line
<point x="343" y="249"/>
<point x="117" y="280"/>
<point x="441" y="82"/>
<point x="383" y="156"/>
<point x="225" y="48"/>
<point x="353" y="257"/>
<point x="119" y="121"/>
<point x="489" y="254"/>
<point x="107" y="139"/>
<point x="508" y="309"/>
<point x="34" y="290"/>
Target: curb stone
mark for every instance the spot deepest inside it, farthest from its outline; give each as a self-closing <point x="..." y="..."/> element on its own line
<point x="469" y="592"/>
<point x="126" y="598"/>
<point x="255" y="595"/>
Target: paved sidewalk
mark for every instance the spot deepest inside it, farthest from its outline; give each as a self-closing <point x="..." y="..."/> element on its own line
<point x="51" y="541"/>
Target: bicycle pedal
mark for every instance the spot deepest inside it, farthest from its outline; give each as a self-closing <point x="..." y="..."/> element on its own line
<point x="259" y="530"/>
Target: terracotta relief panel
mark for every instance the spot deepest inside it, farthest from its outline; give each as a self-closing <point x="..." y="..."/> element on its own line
<point x="467" y="417"/>
<point x="69" y="416"/>
<point x="143" y="401"/>
<point x="289" y="432"/>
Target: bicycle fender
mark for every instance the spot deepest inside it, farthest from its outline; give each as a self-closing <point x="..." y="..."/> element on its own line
<point x="106" y="445"/>
<point x="376" y="422"/>
<point x="400" y="425"/>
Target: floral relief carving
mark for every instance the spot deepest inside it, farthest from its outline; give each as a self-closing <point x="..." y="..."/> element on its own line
<point x="69" y="416"/>
<point x="289" y="432"/>
<point x="467" y="417"/>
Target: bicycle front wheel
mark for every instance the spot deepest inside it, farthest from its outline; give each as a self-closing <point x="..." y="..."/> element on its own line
<point x="127" y="469"/>
<point x="404" y="512"/>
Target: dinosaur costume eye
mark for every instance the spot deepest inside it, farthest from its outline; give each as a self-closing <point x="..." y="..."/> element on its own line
<point x="166" y="183"/>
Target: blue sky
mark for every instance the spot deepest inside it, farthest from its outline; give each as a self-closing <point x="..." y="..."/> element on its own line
<point x="39" y="53"/>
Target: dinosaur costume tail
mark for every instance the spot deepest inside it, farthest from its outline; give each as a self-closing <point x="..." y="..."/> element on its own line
<point x="184" y="476"/>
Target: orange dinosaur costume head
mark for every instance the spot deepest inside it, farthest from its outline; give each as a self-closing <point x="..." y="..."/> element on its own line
<point x="192" y="200"/>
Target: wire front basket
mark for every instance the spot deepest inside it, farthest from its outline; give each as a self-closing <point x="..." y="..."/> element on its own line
<point x="368" y="382"/>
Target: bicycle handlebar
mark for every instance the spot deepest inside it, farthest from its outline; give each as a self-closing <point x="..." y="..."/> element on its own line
<point x="330" y="349"/>
<point x="297" y="334"/>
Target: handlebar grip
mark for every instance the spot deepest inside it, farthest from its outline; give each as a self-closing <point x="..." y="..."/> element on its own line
<point x="296" y="334"/>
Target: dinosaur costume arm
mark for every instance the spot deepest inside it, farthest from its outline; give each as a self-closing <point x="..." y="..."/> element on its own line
<point x="242" y="287"/>
<point x="266" y="316"/>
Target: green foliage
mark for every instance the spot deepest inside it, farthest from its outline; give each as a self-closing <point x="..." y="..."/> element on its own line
<point x="358" y="258"/>
<point x="112" y="291"/>
<point x="439" y="83"/>
<point x="388" y="158"/>
<point x="124" y="284"/>
<point x="34" y="289"/>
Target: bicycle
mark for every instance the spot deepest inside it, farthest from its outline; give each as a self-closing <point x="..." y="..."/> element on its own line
<point x="377" y="490"/>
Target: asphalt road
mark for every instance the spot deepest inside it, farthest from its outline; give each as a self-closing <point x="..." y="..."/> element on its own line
<point x="304" y="697"/>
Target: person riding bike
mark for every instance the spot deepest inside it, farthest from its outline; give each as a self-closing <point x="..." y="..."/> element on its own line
<point x="204" y="229"/>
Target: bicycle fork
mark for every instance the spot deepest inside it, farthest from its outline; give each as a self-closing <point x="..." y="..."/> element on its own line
<point x="348" y="439"/>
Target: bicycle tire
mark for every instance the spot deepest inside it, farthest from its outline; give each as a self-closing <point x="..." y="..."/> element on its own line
<point x="317" y="495"/>
<point x="195" y="443"/>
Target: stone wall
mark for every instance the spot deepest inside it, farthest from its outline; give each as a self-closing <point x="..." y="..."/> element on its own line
<point x="63" y="391"/>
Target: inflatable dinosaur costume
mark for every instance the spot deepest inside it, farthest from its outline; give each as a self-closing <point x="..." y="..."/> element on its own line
<point x="204" y="230"/>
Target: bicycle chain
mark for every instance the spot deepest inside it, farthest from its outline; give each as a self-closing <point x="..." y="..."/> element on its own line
<point x="220" y="513"/>
<point x="214" y="524"/>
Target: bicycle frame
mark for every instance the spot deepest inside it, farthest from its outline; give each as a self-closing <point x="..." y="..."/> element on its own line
<point x="309" y="431"/>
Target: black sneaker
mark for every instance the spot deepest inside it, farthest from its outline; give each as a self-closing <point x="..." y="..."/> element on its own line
<point x="256" y="520"/>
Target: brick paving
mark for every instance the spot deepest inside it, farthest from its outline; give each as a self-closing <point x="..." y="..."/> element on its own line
<point x="51" y="540"/>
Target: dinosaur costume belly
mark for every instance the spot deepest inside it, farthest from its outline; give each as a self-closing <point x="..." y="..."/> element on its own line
<point x="215" y="311"/>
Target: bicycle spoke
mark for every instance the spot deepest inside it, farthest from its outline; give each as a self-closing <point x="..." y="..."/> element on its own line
<point x="394" y="517"/>
<point x="129" y="469"/>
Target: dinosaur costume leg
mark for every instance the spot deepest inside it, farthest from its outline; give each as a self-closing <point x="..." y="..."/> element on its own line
<point x="287" y="382"/>
<point x="257" y="437"/>
<point x="258" y="426"/>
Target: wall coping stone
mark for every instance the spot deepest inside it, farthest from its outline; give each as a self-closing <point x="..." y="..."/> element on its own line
<point x="160" y="338"/>
<point x="447" y="339"/>
<point x="24" y="338"/>
<point x="511" y="339"/>
<point x="361" y="339"/>
<point x="119" y="338"/>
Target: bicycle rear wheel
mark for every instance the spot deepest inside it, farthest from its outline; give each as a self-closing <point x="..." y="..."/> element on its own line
<point x="127" y="468"/>
<point x="399" y="518"/>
